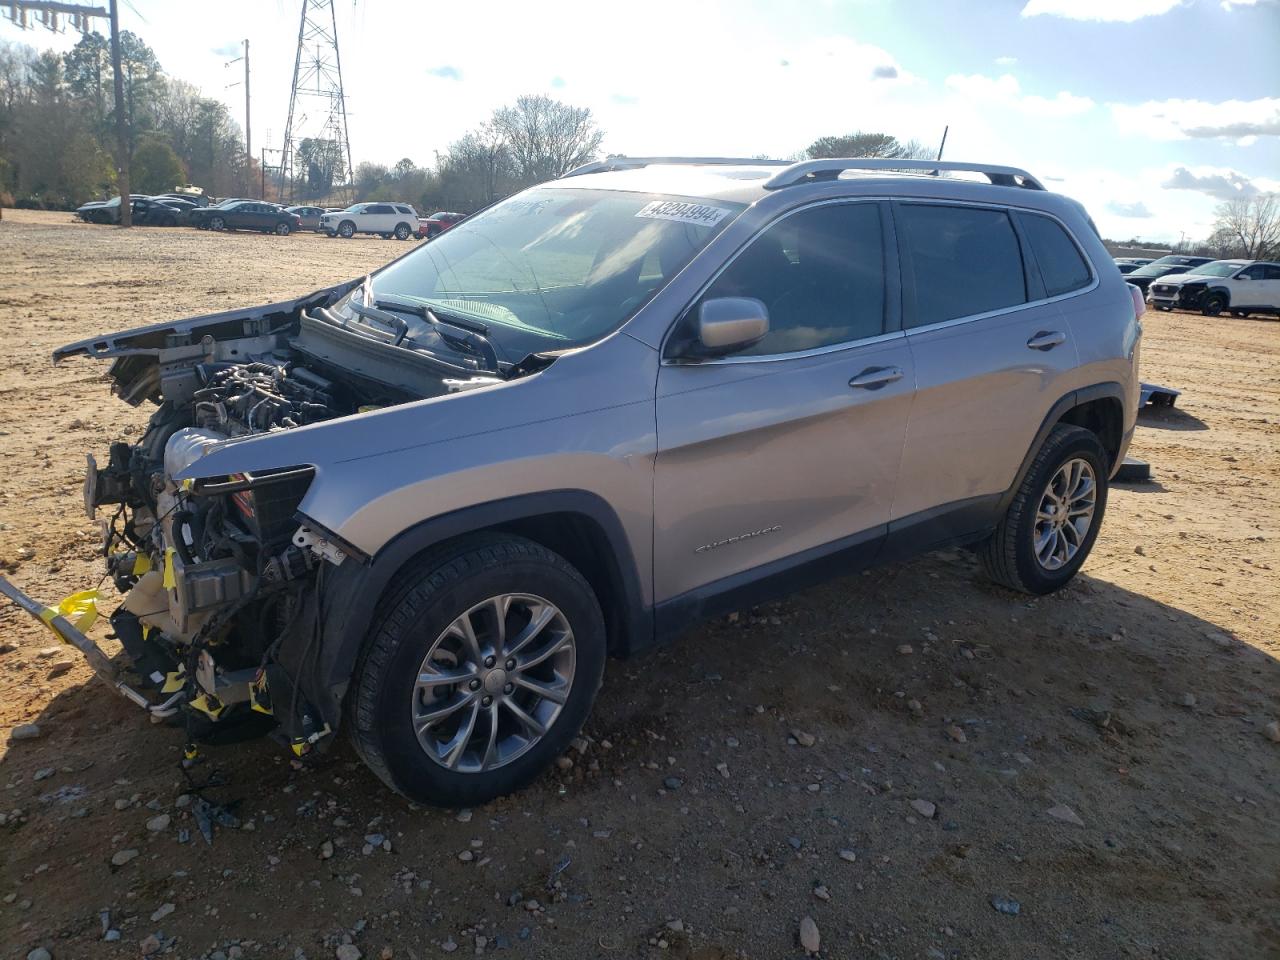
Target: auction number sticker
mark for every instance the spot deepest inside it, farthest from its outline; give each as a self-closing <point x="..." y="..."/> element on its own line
<point x="682" y="211"/>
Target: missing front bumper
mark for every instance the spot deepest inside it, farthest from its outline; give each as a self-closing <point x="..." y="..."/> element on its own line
<point x="93" y="654"/>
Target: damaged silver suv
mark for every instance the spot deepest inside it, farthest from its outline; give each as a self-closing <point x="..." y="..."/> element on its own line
<point x="425" y="505"/>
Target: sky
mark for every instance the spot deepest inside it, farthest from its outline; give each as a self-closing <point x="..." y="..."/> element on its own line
<point x="1150" y="112"/>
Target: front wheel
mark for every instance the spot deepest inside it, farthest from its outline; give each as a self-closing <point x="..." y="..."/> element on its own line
<point x="1053" y="520"/>
<point x="217" y="223"/>
<point x="346" y="229"/>
<point x="1213" y="305"/>
<point x="482" y="668"/>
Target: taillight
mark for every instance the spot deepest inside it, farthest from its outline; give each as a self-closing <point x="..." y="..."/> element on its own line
<point x="1139" y="303"/>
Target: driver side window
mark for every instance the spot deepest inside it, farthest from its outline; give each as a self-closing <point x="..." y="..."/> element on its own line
<point x="820" y="273"/>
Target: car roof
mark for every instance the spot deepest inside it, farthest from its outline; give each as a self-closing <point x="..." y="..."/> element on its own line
<point x="747" y="181"/>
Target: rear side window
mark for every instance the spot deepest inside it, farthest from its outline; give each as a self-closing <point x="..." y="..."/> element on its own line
<point x="1272" y="272"/>
<point x="820" y="273"/>
<point x="1062" y="267"/>
<point x="378" y="208"/>
<point x="965" y="261"/>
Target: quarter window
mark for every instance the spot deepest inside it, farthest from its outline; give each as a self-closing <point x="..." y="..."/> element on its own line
<point x="1062" y="267"/>
<point x="965" y="261"/>
<point x="1272" y="272"/>
<point x="820" y="273"/>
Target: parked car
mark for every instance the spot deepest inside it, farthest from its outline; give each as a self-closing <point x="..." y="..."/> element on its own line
<point x="1240" y="286"/>
<point x="180" y="210"/>
<point x="654" y="396"/>
<point x="309" y="216"/>
<point x="1127" y="265"/>
<point x="248" y="215"/>
<point x="146" y="211"/>
<point x="1174" y="263"/>
<point x="386" y="220"/>
<point x="437" y="223"/>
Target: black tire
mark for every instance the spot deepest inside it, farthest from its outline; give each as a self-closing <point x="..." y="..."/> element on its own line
<point x="402" y="231"/>
<point x="1008" y="555"/>
<point x="282" y="229"/>
<point x="217" y="223"/>
<point x="346" y="229"/>
<point x="417" y="609"/>
<point x="1213" y="305"/>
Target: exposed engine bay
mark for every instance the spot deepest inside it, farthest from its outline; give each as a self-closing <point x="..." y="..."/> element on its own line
<point x="222" y="577"/>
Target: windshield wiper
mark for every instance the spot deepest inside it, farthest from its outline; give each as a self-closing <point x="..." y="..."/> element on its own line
<point x="474" y="339"/>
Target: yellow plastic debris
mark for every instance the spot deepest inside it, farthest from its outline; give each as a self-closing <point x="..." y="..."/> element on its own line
<point x="168" y="581"/>
<point x="141" y="564"/>
<point x="80" y="610"/>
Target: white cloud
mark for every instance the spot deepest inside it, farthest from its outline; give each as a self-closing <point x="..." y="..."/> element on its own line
<point x="1221" y="183"/>
<point x="1134" y="209"/>
<point x="1107" y="11"/>
<point x="1006" y="61"/>
<point x="1006" y="91"/>
<point x="1236" y="120"/>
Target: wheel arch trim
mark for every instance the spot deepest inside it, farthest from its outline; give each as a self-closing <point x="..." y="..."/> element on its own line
<point x="354" y="590"/>
<point x="1110" y="390"/>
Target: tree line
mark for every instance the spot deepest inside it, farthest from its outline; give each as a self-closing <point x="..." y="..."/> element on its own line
<point x="57" y="116"/>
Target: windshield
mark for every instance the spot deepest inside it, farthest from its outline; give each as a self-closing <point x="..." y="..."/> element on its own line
<point x="548" y="269"/>
<point x="1219" y="268"/>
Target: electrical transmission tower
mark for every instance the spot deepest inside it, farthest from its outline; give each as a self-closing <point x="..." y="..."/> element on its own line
<point x="316" y="146"/>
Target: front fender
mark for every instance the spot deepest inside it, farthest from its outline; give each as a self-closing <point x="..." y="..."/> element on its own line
<point x="352" y="593"/>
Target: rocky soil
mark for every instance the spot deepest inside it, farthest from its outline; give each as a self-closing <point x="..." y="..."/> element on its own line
<point x="911" y="763"/>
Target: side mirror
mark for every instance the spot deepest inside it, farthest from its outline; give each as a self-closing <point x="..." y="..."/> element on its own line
<point x="728" y="324"/>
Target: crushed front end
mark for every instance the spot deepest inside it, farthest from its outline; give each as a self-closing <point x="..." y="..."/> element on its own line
<point x="222" y="577"/>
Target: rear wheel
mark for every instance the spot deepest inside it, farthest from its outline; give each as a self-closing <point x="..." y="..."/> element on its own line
<point x="1053" y="521"/>
<point x="1213" y="305"/>
<point x="217" y="223"/>
<point x="282" y="229"/>
<point x="483" y="667"/>
<point x="402" y="231"/>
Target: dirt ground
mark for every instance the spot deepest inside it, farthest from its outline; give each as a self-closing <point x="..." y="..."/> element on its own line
<point x="697" y="824"/>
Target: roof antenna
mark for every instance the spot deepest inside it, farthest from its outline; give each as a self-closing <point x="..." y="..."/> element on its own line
<point x="943" y="144"/>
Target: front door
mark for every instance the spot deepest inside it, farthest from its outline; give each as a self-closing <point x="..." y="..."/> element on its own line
<point x="789" y="450"/>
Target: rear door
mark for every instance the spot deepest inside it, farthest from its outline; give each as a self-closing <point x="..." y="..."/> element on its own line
<point x="789" y="450"/>
<point x="991" y="349"/>
<point x="380" y="218"/>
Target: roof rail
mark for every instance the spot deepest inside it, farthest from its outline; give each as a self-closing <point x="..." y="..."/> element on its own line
<point x="634" y="163"/>
<point x="807" y="171"/>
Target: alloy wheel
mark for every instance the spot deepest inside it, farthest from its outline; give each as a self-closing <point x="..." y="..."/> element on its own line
<point x="1065" y="514"/>
<point x="493" y="683"/>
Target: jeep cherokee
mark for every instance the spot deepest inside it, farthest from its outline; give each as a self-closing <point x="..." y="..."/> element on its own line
<point x="426" y="504"/>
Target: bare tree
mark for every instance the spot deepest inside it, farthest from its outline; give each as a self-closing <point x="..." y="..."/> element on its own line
<point x="862" y="144"/>
<point x="546" y="138"/>
<point x="477" y="169"/>
<point x="1253" y="223"/>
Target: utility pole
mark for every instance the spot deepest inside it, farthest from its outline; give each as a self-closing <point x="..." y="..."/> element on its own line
<point x="122" y="132"/>
<point x="248" y="137"/>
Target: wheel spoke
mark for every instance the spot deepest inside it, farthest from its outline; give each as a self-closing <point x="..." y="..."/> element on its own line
<point x="556" y="693"/>
<point x="539" y="617"/>
<point x="464" y="630"/>
<point x="490" y="748"/>
<point x="444" y="678"/>
<point x="554" y="647"/>
<point x="456" y="747"/>
<point x="446" y="707"/>
<point x="527" y="721"/>
<point x="500" y="607"/>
